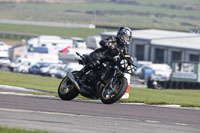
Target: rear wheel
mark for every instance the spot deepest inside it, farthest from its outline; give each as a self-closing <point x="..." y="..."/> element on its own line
<point x="112" y="94"/>
<point x="67" y="90"/>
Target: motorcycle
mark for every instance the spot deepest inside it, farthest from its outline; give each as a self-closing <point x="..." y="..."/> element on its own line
<point x="106" y="82"/>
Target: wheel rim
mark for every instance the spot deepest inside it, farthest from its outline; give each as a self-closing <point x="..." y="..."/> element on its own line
<point x="108" y="92"/>
<point x="66" y="86"/>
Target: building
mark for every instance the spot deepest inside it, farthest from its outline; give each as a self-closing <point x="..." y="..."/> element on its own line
<point x="176" y="49"/>
<point x="162" y="46"/>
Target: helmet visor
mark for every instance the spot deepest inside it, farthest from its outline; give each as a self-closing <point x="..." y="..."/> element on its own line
<point x="126" y="37"/>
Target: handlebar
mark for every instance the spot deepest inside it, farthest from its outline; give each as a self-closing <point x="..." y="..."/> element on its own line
<point x="78" y="54"/>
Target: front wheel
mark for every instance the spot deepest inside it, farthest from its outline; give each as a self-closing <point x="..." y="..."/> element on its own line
<point x="112" y="94"/>
<point x="67" y="90"/>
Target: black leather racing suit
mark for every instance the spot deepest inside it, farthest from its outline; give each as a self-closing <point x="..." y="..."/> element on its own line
<point x="109" y="48"/>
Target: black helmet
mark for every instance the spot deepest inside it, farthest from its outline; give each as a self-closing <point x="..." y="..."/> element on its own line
<point x="124" y="34"/>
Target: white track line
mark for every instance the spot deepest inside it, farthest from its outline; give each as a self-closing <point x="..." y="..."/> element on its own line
<point x="165" y="106"/>
<point x="23" y="94"/>
<point x="40" y="112"/>
<point x="17" y="88"/>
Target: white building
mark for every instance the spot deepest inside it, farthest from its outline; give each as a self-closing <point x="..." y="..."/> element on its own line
<point x="161" y="46"/>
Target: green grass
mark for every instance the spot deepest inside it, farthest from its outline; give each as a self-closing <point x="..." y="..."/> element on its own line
<point x="18" y="130"/>
<point x="44" y="30"/>
<point x="186" y="98"/>
<point x="108" y="13"/>
<point x="29" y="81"/>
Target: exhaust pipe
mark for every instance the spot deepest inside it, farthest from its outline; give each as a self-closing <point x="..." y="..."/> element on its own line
<point x="71" y="77"/>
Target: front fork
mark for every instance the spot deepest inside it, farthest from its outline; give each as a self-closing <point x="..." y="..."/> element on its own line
<point x="114" y="78"/>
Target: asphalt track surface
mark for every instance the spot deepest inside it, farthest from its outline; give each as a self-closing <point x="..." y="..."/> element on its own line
<point x="55" y="115"/>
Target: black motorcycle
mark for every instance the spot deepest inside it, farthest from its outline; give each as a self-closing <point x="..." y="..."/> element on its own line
<point x="106" y="82"/>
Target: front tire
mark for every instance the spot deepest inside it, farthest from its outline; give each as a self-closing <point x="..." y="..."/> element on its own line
<point x="67" y="90"/>
<point x="121" y="85"/>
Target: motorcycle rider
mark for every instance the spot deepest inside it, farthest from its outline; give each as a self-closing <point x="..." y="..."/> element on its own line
<point x="110" y="47"/>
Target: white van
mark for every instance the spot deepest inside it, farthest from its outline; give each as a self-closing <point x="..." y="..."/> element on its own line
<point x="93" y="42"/>
<point x="53" y="43"/>
<point x="16" y="63"/>
<point x="4" y="49"/>
<point x="78" y="42"/>
<point x="70" y="55"/>
<point x="4" y="56"/>
<point x="24" y="66"/>
<point x="34" y="57"/>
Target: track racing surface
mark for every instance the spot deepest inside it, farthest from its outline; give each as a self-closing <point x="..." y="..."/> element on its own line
<point x="54" y="115"/>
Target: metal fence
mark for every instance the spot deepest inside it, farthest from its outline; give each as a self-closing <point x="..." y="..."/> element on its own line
<point x="16" y="36"/>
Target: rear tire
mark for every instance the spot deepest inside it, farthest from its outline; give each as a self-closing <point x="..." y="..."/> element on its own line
<point x="67" y="90"/>
<point x="122" y="82"/>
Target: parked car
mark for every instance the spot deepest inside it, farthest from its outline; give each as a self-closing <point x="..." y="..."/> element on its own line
<point x="4" y="61"/>
<point x="156" y="71"/>
<point x="45" y="70"/>
<point x="72" y="66"/>
<point x="161" y="72"/>
<point x="24" y="66"/>
<point x="56" y="69"/>
<point x="141" y="65"/>
<point x="16" y="63"/>
<point x="36" y="69"/>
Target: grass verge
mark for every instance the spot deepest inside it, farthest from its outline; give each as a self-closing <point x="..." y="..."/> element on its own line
<point x="179" y="14"/>
<point x="46" y="30"/>
<point x="29" y="81"/>
<point x="185" y="98"/>
<point x="18" y="130"/>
